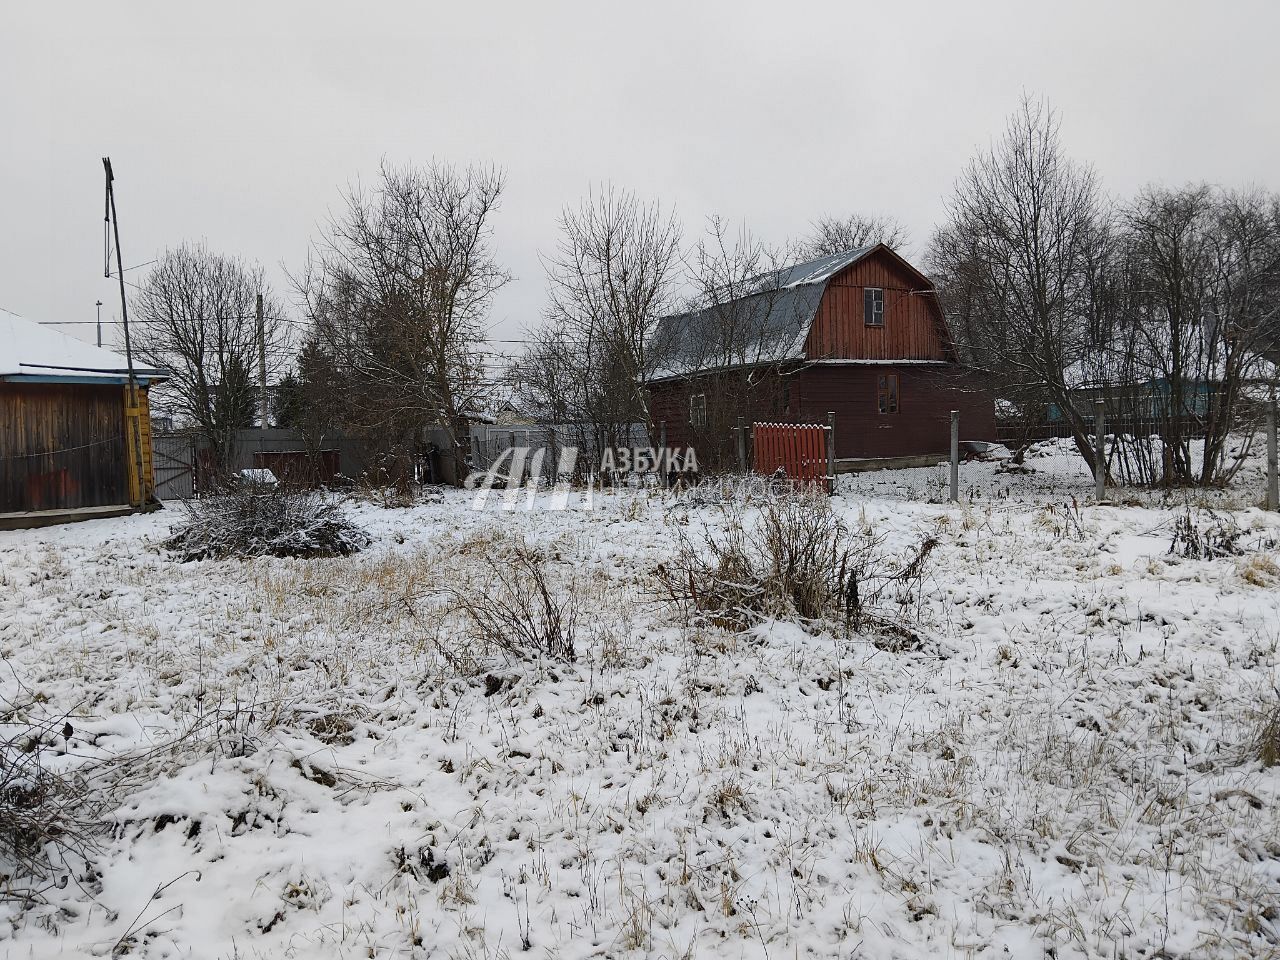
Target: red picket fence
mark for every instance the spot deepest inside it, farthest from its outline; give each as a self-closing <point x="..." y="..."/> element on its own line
<point x="800" y="449"/>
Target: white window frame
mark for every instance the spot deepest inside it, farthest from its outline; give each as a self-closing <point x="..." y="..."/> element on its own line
<point x="877" y="306"/>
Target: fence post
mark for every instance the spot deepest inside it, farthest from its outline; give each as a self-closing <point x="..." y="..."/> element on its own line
<point x="955" y="456"/>
<point x="742" y="447"/>
<point x="664" y="462"/>
<point x="1273" y="482"/>
<point x="831" y="451"/>
<point x="1099" y="451"/>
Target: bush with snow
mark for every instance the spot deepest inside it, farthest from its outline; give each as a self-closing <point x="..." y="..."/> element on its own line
<point x="254" y="521"/>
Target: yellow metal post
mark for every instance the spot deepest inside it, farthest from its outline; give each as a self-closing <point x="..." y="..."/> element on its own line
<point x="137" y="429"/>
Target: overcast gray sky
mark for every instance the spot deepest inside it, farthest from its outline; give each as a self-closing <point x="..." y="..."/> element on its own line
<point x="240" y="123"/>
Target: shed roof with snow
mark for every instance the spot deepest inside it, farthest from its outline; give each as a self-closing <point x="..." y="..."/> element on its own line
<point x="34" y="353"/>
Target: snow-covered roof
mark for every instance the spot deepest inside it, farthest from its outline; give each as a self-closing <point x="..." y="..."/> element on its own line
<point x="768" y="324"/>
<point x="772" y="320"/>
<point x="32" y="352"/>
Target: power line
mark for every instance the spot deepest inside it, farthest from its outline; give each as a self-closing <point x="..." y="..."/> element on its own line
<point x="295" y="320"/>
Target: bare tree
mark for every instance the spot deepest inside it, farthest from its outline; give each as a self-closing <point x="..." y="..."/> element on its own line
<point x="1186" y="318"/>
<point x="397" y="289"/>
<point x="1243" y="314"/>
<point x="577" y="382"/>
<point x="1017" y="263"/>
<point x="196" y="317"/>
<point x="611" y="278"/>
<point x="836" y="235"/>
<point x="737" y="325"/>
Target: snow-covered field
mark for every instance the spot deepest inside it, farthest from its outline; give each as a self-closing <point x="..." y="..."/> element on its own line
<point x="319" y="761"/>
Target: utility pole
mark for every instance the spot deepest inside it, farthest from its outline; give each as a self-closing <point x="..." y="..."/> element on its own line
<point x="133" y="412"/>
<point x="99" y="306"/>
<point x="262" y="363"/>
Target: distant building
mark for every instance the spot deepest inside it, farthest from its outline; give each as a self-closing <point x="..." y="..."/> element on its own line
<point x="64" y="446"/>
<point x="859" y="334"/>
<point x="1151" y="398"/>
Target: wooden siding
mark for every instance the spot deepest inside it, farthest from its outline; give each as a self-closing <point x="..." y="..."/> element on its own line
<point x="727" y="399"/>
<point x="922" y="425"/>
<point x="61" y="446"/>
<point x="913" y="326"/>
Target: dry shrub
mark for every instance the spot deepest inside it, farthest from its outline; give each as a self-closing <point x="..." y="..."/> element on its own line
<point x="1208" y="537"/>
<point x="798" y="559"/>
<point x="253" y="521"/>
<point x="1259" y="570"/>
<point x="1266" y="744"/>
<point x="515" y="608"/>
<point x="50" y="822"/>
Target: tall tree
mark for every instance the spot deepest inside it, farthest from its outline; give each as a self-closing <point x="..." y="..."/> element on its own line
<point x="736" y="322"/>
<point x="1243" y="313"/>
<point x="196" y="318"/>
<point x="1017" y="262"/>
<point x="612" y="276"/>
<point x="397" y="290"/>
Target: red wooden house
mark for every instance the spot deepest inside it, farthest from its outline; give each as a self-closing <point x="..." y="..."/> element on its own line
<point x="859" y="334"/>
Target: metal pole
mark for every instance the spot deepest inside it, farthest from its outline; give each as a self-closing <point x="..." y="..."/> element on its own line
<point x="664" y="462"/>
<point x="955" y="456"/>
<point x="99" y="306"/>
<point x="742" y="447"/>
<point x="1099" y="451"/>
<point x="128" y="348"/>
<point x="831" y="451"/>
<point x="1273" y="481"/>
<point x="262" y="363"/>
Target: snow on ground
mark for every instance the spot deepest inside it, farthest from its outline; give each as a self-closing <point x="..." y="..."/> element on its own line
<point x="322" y="764"/>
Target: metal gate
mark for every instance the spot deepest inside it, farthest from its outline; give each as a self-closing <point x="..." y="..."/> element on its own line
<point x="801" y="451"/>
<point x="174" y="463"/>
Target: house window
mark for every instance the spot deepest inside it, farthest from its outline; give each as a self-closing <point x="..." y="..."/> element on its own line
<point x="873" y="306"/>
<point x="887" y="393"/>
<point x="698" y="409"/>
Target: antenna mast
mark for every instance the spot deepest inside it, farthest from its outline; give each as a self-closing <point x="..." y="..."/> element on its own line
<point x="133" y="411"/>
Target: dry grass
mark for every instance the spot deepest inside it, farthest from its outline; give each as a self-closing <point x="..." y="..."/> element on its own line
<point x="49" y="822"/>
<point x="1266" y="742"/>
<point x="793" y="558"/>
<point x="516" y="608"/>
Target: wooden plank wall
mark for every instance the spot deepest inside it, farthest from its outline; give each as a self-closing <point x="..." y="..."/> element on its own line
<point x="61" y="446"/>
<point x="922" y="425"/>
<point x="912" y="320"/>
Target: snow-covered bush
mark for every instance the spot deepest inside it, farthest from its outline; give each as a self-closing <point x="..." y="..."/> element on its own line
<point x="257" y="522"/>
<point x="794" y="559"/>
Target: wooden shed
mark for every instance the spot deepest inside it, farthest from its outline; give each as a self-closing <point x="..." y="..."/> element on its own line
<point x="859" y="334"/>
<point x="72" y="446"/>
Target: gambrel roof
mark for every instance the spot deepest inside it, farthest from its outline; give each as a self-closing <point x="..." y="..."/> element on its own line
<point x="768" y="324"/>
